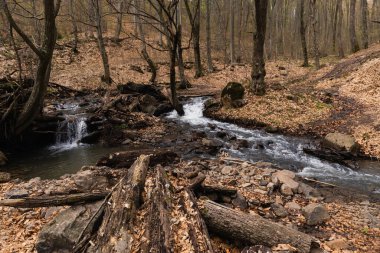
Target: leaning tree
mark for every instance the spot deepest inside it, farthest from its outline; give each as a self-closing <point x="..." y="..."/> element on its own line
<point x="15" y="121"/>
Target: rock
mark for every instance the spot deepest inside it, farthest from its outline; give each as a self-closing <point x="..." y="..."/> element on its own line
<point x="315" y="214"/>
<point x="221" y="134"/>
<point x="241" y="143"/>
<point x="257" y="249"/>
<point x="286" y="190"/>
<point x="307" y="190"/>
<point x="240" y="201"/>
<point x="338" y="244"/>
<point x="271" y="129"/>
<point x="245" y="185"/>
<point x="87" y="180"/>
<point x="232" y="92"/>
<point x="162" y="109"/>
<point x="211" y="143"/>
<point x="211" y="104"/>
<point x="293" y="206"/>
<point x="4" y="177"/>
<point x="283" y="72"/>
<point x="238" y="103"/>
<point x="285" y="177"/>
<point x="279" y="210"/>
<point x="148" y="104"/>
<point x="61" y="234"/>
<point x="91" y="138"/>
<point x="16" y="194"/>
<point x="341" y="142"/>
<point x="228" y="171"/>
<point x="3" y="159"/>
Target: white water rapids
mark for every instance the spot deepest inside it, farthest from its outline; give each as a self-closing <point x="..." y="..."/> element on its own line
<point x="281" y="150"/>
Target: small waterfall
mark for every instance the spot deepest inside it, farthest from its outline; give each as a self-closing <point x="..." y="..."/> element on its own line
<point x="70" y="132"/>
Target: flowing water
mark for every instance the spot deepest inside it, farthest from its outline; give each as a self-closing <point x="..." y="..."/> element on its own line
<point x="67" y="155"/>
<point x="286" y="152"/>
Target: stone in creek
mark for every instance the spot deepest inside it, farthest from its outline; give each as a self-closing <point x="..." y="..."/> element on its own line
<point x="279" y="210"/>
<point x="342" y="142"/>
<point x="16" y="194"/>
<point x="315" y="214"/>
<point x="4" y="177"/>
<point x="211" y="143"/>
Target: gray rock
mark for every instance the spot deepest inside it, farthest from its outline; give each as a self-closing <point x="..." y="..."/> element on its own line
<point x="286" y="177"/>
<point x="3" y="159"/>
<point x="240" y="201"/>
<point x="342" y="142"/>
<point x="16" y="194"/>
<point x="4" y="177"/>
<point x="315" y="214"/>
<point x="307" y="190"/>
<point x="279" y="210"/>
<point x="87" y="180"/>
<point x="211" y="143"/>
<point x="293" y="206"/>
<point x="232" y="92"/>
<point x="61" y="234"/>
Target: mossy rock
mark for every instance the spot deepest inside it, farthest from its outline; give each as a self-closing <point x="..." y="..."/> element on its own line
<point x="233" y="90"/>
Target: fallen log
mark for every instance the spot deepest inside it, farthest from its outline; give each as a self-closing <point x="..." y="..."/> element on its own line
<point x="125" y="159"/>
<point x="158" y="230"/>
<point x="44" y="201"/>
<point x="113" y="235"/>
<point x="252" y="229"/>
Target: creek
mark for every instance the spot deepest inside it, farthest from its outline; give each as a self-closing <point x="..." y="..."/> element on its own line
<point x="67" y="155"/>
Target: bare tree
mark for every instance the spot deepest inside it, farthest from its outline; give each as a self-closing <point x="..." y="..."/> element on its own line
<point x="303" y="34"/>
<point x="96" y="10"/>
<point x="44" y="54"/>
<point x="74" y="25"/>
<point x="339" y="28"/>
<point x="258" y="65"/>
<point x="352" y="27"/>
<point x="119" y="19"/>
<point x="313" y="17"/>
<point x="210" y="67"/>
<point x="232" y="32"/>
<point x="364" y="10"/>
<point x="194" y="17"/>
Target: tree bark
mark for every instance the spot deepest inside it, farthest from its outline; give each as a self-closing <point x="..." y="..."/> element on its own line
<point x="125" y="201"/>
<point x="303" y="34"/>
<point x="102" y="48"/>
<point x="64" y="200"/>
<point x="210" y="67"/>
<point x="313" y="17"/>
<point x="232" y="32"/>
<point x="364" y="9"/>
<point x="339" y="28"/>
<point x="74" y="25"/>
<point x="195" y="30"/>
<point x="352" y="27"/>
<point x="258" y="66"/>
<point x="255" y="230"/>
<point x="119" y="20"/>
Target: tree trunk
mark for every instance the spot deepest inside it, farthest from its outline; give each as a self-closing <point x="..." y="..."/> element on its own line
<point x="258" y="65"/>
<point x="303" y="34"/>
<point x="119" y="20"/>
<point x="35" y="101"/>
<point x="339" y="28"/>
<point x="74" y="25"/>
<point x="232" y="32"/>
<point x="254" y="230"/>
<point x="102" y="48"/>
<point x="195" y="29"/>
<point x="144" y="50"/>
<point x="352" y="29"/>
<point x="313" y="17"/>
<point x="208" y="37"/>
<point x="364" y="9"/>
<point x="184" y="83"/>
<point x="173" y="89"/>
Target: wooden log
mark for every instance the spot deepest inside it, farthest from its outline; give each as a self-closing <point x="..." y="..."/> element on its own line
<point x="252" y="229"/>
<point x="113" y="234"/>
<point x="59" y="200"/>
<point x="158" y="230"/>
<point x="163" y="156"/>
<point x="200" y="224"/>
<point x="196" y="183"/>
